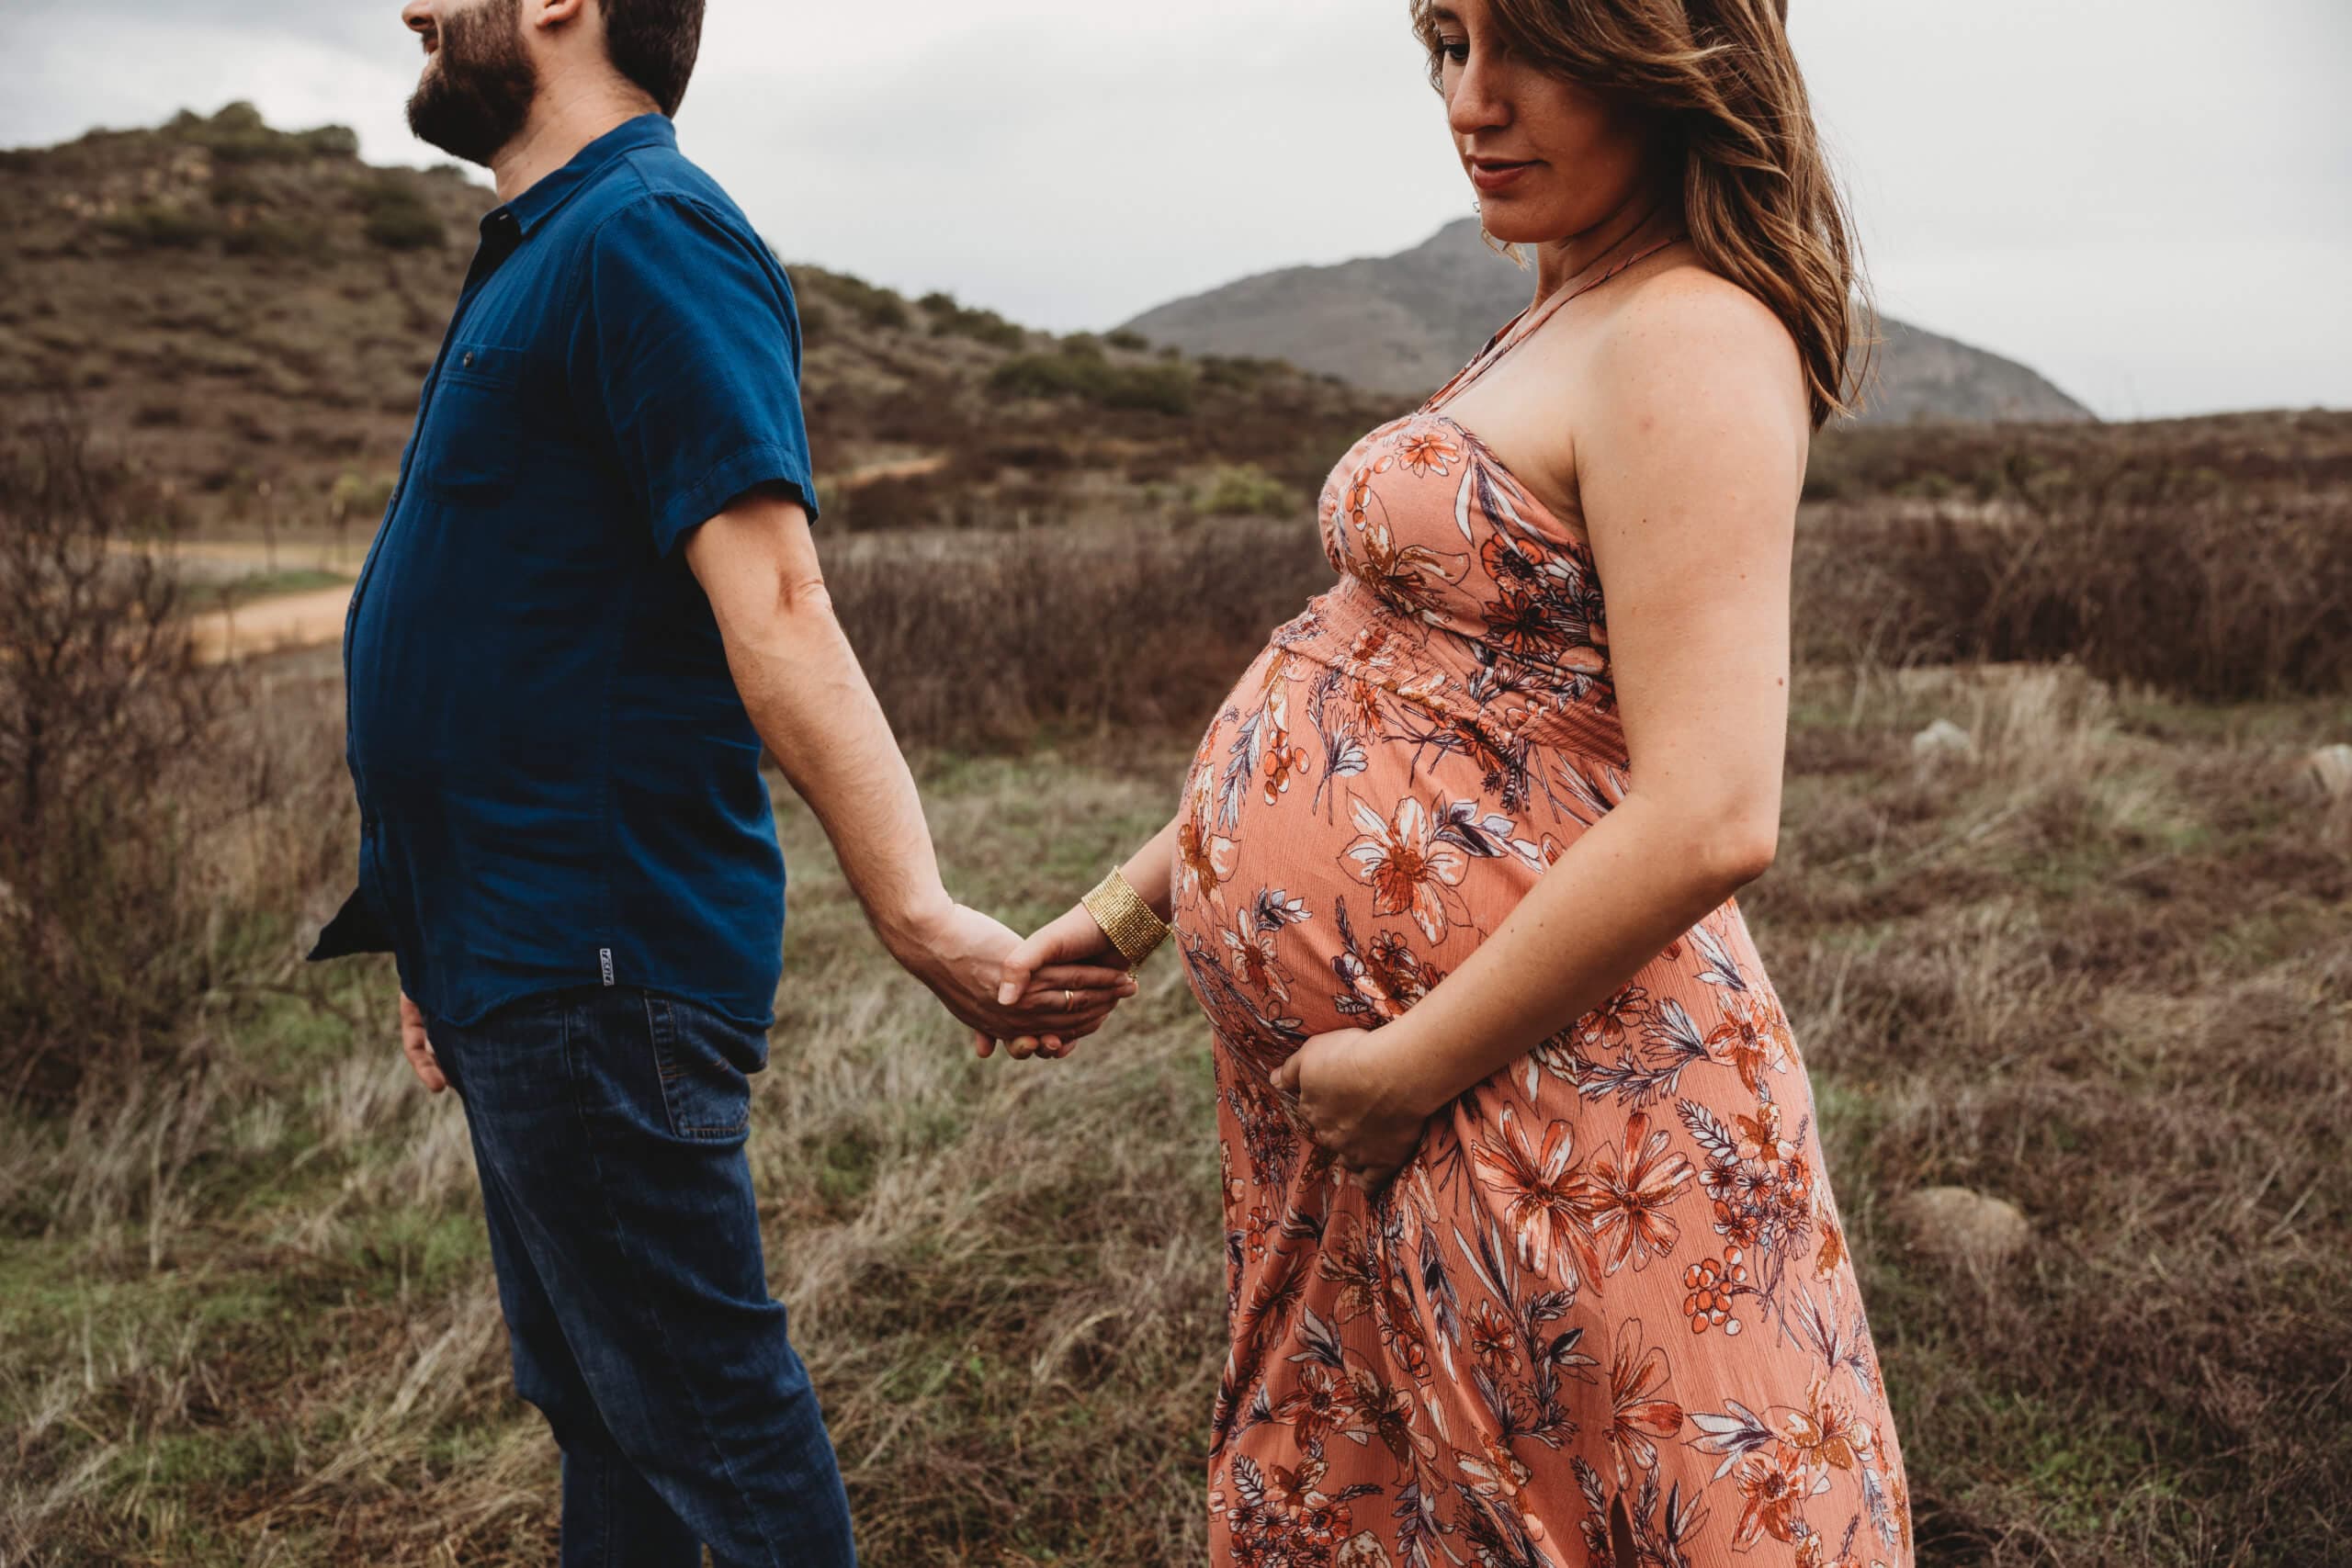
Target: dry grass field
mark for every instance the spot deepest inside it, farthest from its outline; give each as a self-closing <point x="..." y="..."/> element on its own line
<point x="2096" y="969"/>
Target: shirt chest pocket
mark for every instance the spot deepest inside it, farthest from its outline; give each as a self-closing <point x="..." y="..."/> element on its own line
<point x="473" y="449"/>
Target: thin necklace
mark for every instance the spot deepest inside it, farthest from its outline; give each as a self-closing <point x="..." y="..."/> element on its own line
<point x="1543" y="310"/>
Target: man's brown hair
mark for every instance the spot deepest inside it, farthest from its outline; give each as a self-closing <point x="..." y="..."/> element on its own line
<point x="653" y="43"/>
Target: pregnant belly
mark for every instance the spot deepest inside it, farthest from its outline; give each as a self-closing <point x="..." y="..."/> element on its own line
<point x="1328" y="878"/>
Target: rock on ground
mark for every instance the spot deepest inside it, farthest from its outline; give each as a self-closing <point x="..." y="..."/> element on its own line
<point x="1962" y="1226"/>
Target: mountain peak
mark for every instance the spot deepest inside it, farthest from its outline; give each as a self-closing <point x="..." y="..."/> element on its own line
<point x="1402" y="323"/>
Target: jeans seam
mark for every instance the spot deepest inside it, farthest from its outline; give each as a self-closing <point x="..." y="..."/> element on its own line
<point x="661" y="1329"/>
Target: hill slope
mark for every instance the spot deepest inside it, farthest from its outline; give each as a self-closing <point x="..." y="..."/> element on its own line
<point x="247" y="313"/>
<point x="1403" y="324"/>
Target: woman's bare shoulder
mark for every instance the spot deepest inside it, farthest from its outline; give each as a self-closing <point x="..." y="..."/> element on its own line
<point x="1686" y="339"/>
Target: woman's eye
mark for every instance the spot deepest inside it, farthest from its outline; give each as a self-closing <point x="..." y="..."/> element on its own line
<point x="1457" y="49"/>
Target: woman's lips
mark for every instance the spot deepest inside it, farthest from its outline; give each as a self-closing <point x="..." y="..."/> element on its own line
<point x="1494" y="174"/>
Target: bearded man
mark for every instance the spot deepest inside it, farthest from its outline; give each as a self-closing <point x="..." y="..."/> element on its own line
<point x="593" y="596"/>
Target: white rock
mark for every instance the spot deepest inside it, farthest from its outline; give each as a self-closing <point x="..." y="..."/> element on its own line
<point x="1943" y="739"/>
<point x="2329" y="771"/>
<point x="1962" y="1226"/>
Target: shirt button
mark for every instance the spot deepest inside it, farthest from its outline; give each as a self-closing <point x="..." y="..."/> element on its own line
<point x="469" y="358"/>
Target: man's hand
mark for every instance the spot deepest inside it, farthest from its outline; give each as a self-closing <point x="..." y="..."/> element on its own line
<point x="1030" y="973"/>
<point x="418" y="1049"/>
<point x="961" y="955"/>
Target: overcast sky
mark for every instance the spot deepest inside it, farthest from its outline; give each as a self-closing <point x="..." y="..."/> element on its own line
<point x="2148" y="201"/>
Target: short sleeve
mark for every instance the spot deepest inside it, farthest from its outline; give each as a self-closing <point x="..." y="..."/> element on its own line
<point x="686" y="348"/>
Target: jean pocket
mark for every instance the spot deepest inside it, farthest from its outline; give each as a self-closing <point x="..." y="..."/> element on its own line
<point x="705" y="1062"/>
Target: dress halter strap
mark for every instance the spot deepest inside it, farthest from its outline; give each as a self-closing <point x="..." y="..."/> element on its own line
<point x="1528" y="323"/>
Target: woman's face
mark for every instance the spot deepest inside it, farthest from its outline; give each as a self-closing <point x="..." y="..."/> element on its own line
<point x="1549" y="158"/>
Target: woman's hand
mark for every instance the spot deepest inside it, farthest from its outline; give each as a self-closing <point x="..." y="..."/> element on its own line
<point x="1347" y="1092"/>
<point x="960" y="954"/>
<point x="1071" y="943"/>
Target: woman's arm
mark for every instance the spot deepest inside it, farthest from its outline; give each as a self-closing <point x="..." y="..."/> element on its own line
<point x="1689" y="459"/>
<point x="1073" y="938"/>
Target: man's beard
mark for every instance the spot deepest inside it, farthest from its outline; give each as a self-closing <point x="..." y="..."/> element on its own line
<point x="474" y="99"/>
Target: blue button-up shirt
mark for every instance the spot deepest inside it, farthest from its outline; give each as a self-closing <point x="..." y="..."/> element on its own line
<point x="558" y="783"/>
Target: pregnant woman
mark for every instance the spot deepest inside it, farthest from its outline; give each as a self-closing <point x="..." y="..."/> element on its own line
<point x="1531" y="1258"/>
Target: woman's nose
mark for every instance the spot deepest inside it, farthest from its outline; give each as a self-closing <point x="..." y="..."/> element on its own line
<point x="1477" y="102"/>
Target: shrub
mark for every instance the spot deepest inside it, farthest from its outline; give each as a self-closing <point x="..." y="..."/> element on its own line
<point x="281" y="237"/>
<point x="398" y="217"/>
<point x="238" y="134"/>
<point x="113" y="771"/>
<point x="230" y="189"/>
<point x="951" y="319"/>
<point x="1133" y="341"/>
<point x="2220" y="598"/>
<point x="1245" y="490"/>
<point x="1153" y="388"/>
<point x="1108" y="629"/>
<point x="1236" y="372"/>
<point x="1157" y="388"/>
<point x="160" y="226"/>
<point x="879" y="308"/>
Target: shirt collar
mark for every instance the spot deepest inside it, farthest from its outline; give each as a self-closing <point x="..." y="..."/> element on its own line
<point x="541" y="201"/>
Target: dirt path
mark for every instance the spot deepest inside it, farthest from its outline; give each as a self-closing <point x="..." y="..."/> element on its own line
<point x="216" y="560"/>
<point x="897" y="468"/>
<point x="272" y="625"/>
<point x="291" y="621"/>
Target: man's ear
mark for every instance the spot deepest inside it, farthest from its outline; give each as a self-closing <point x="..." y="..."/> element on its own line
<point x="553" y="13"/>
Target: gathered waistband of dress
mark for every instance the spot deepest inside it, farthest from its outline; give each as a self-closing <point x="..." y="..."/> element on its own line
<point x="1335" y="621"/>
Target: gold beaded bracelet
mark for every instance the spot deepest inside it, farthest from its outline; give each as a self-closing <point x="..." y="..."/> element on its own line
<point x="1125" y="919"/>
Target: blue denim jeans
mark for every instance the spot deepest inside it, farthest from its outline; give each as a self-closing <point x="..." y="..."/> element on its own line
<point x="608" y="1128"/>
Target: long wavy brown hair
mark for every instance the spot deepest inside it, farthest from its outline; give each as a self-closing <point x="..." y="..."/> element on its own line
<point x="1759" y="199"/>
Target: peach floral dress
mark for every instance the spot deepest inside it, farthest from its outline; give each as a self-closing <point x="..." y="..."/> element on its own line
<point x="1610" y="1290"/>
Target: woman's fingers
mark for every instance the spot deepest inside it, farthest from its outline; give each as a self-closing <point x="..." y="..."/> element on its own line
<point x="1063" y="1011"/>
<point x="1059" y="954"/>
<point x="1081" y="977"/>
<point x="1050" y="945"/>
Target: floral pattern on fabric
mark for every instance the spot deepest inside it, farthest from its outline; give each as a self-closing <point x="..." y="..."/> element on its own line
<point x="1611" y="1291"/>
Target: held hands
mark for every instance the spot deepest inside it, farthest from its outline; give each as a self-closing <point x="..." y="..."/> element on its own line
<point x="962" y="955"/>
<point x="1073" y="944"/>
<point x="1344" y="1090"/>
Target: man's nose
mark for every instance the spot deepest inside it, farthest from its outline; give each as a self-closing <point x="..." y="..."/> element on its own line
<point x="418" y="15"/>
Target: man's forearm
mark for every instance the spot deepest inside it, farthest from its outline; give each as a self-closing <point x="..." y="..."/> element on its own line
<point x="808" y="698"/>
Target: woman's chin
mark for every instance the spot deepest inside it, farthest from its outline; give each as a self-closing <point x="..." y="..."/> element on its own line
<point x="1519" y="223"/>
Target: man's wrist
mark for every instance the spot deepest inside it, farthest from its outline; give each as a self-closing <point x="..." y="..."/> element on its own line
<point x="915" y="928"/>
